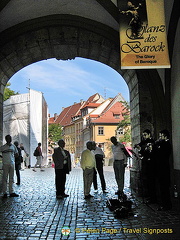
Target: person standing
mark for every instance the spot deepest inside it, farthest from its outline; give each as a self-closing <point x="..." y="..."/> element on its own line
<point x="148" y="166"/>
<point x="119" y="164"/>
<point x="9" y="152"/>
<point x="99" y="156"/>
<point x="162" y="155"/>
<point x="25" y="157"/>
<point x="39" y="157"/>
<point x="18" y="161"/>
<point x="88" y="165"/>
<point x="72" y="160"/>
<point x="62" y="162"/>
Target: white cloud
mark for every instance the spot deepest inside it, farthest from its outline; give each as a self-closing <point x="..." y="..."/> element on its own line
<point x="61" y="76"/>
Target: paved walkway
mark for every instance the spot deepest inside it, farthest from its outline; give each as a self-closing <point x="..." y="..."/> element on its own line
<point x="37" y="214"/>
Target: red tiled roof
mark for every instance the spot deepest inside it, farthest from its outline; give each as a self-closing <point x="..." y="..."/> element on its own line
<point x="108" y="117"/>
<point x="105" y="119"/>
<point x="51" y="120"/>
<point x="91" y="98"/>
<point x="65" y="117"/>
<point x="91" y="105"/>
<point x="117" y="98"/>
<point x="94" y="115"/>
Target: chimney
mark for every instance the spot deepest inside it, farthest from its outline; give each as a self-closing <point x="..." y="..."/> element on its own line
<point x="55" y="116"/>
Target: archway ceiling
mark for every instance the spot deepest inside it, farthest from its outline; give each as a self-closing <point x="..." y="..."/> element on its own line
<point x="15" y="12"/>
<point x="15" y="15"/>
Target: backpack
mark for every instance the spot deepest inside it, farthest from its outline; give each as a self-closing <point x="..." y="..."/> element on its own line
<point x="36" y="152"/>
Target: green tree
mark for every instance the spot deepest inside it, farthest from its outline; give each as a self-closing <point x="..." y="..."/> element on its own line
<point x="125" y="124"/>
<point x="8" y="92"/>
<point x="55" y="133"/>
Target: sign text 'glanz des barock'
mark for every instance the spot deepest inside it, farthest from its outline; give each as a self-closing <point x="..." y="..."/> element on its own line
<point x="143" y="42"/>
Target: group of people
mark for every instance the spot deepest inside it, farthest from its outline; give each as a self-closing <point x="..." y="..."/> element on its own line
<point x="153" y="155"/>
<point x="91" y="162"/>
<point x="155" y="168"/>
<point x="13" y="159"/>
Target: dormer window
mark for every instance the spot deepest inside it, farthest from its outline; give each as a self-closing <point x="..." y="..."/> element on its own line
<point x="116" y="115"/>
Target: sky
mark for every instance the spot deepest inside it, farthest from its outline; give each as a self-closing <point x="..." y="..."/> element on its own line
<point x="65" y="82"/>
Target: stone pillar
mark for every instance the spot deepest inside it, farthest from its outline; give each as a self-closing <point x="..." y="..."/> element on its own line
<point x="141" y="119"/>
<point x="147" y="112"/>
<point x="1" y="132"/>
<point x="1" y="118"/>
<point x="3" y="82"/>
<point x="135" y="123"/>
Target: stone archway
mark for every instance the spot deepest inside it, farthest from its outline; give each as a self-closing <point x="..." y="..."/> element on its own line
<point x="66" y="37"/>
<point x="63" y="37"/>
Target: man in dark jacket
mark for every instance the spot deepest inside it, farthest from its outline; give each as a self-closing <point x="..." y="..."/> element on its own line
<point x="148" y="165"/>
<point x="62" y="161"/>
<point x="18" y="161"/>
<point x="99" y="156"/>
<point x="162" y="154"/>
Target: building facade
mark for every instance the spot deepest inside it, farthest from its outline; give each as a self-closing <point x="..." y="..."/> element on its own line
<point x="93" y="120"/>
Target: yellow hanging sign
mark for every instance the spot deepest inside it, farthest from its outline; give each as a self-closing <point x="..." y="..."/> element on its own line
<point x="143" y="42"/>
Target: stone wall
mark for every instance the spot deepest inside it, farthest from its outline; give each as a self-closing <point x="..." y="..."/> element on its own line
<point x="66" y="37"/>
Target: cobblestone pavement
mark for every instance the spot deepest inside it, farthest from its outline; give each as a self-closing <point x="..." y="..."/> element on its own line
<point x="37" y="214"/>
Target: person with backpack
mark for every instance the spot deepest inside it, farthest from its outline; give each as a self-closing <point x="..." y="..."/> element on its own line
<point x="39" y="157"/>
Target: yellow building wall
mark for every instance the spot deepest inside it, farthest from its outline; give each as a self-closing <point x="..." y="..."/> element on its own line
<point x="69" y="138"/>
<point x="109" y="131"/>
<point x="78" y="138"/>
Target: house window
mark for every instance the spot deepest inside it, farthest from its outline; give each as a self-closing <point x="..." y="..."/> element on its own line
<point x="117" y="116"/>
<point x="100" y="130"/>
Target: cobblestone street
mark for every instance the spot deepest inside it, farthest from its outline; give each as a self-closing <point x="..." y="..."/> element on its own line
<point x="37" y="214"/>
